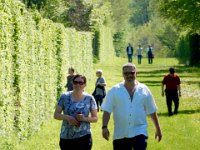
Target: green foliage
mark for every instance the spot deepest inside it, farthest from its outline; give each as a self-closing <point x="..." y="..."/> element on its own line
<point x="6" y="71"/>
<point x="103" y="49"/>
<point x="183" y="50"/>
<point x="35" y="54"/>
<point x="80" y="53"/>
<point x="78" y="16"/>
<point x="120" y="14"/>
<point x="145" y="27"/>
<point x="96" y="46"/>
<point x="185" y="13"/>
<point x="195" y="49"/>
<point x="168" y="37"/>
<point x="188" y="118"/>
<point x="158" y="32"/>
<point x="141" y="14"/>
<point x="100" y="15"/>
<point x="34" y="3"/>
<point x="119" y="43"/>
<point x="188" y="49"/>
<point x="106" y="50"/>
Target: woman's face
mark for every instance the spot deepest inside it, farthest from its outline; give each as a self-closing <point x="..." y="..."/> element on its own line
<point x="98" y="74"/>
<point x="79" y="84"/>
<point x="70" y="71"/>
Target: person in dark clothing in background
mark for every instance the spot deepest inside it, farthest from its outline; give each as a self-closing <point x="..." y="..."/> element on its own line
<point x="172" y="90"/>
<point x="129" y="51"/>
<point x="150" y="54"/>
<point x="70" y="77"/>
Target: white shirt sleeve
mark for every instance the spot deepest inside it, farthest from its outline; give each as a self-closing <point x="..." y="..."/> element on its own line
<point x="107" y="104"/>
<point x="150" y="105"/>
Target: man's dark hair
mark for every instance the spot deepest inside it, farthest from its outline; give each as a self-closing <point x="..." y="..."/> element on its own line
<point x="171" y="70"/>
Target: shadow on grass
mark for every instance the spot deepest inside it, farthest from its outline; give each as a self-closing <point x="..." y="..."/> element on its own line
<point x="155" y="74"/>
<point x="186" y="112"/>
<point x="151" y="83"/>
<point x="161" y="71"/>
<point x="179" y="69"/>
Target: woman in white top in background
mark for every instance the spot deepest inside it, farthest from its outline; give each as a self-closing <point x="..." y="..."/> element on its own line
<point x="100" y="91"/>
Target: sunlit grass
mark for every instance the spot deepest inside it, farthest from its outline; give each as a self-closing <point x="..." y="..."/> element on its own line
<point x="180" y="132"/>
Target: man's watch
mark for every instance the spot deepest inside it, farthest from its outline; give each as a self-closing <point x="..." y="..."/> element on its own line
<point x="104" y="127"/>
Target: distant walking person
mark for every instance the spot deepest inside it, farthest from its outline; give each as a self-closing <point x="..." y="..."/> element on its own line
<point x="130" y="102"/>
<point x="70" y="76"/>
<point x="150" y="54"/>
<point x="100" y="91"/>
<point x="172" y="90"/>
<point x="139" y="50"/>
<point x="129" y="51"/>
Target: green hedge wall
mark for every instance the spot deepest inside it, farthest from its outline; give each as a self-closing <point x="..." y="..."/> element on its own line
<point x="35" y="54"/>
<point x="6" y="73"/>
<point x="106" y="50"/>
<point x="80" y="56"/>
<point x="103" y="48"/>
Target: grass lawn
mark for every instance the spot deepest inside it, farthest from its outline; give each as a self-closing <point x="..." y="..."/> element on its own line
<point x="180" y="132"/>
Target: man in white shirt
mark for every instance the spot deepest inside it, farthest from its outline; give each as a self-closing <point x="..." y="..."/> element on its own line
<point x="130" y="102"/>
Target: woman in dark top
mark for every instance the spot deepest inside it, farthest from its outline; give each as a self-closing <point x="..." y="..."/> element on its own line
<point x="70" y="77"/>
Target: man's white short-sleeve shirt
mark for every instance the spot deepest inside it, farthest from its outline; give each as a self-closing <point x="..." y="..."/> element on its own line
<point x="129" y="115"/>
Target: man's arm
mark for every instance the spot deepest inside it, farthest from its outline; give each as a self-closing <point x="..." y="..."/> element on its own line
<point x="179" y="90"/>
<point x="105" y="131"/>
<point x="158" y="134"/>
<point x="163" y="92"/>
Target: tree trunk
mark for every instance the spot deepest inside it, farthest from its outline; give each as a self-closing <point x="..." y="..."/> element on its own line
<point x="195" y="50"/>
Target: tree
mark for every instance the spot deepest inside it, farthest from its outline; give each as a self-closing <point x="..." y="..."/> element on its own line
<point x="34" y="3"/>
<point x="185" y="13"/>
<point x="141" y="14"/>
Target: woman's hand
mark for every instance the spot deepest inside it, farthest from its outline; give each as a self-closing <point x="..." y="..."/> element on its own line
<point x="73" y="121"/>
<point x="80" y="117"/>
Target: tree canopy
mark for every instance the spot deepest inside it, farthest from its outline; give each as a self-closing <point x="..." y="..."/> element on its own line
<point x="184" y="12"/>
<point x="156" y="22"/>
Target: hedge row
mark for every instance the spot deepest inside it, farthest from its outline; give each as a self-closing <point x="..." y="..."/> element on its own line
<point x="106" y="51"/>
<point x="34" y="56"/>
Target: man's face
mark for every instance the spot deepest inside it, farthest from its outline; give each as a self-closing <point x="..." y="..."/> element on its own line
<point x="129" y="74"/>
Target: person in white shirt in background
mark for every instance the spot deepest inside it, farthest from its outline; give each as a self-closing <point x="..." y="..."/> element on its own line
<point x="139" y="50"/>
<point x="100" y="91"/>
<point x="130" y="102"/>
